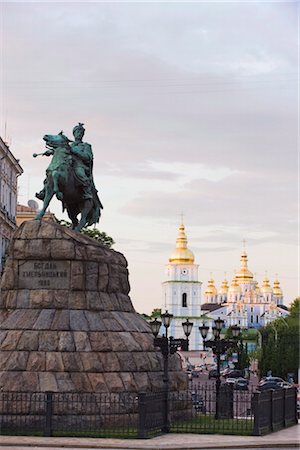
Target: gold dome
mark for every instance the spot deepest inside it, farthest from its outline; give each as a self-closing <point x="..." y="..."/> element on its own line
<point x="277" y="291"/>
<point x="266" y="288"/>
<point x="181" y="254"/>
<point x="244" y="275"/>
<point x="235" y="287"/>
<point x="224" y="287"/>
<point x="257" y="288"/>
<point x="211" y="289"/>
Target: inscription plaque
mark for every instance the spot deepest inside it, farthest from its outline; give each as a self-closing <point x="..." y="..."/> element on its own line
<point x="36" y="274"/>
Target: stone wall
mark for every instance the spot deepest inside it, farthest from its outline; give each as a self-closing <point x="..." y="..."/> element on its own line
<point x="67" y="323"/>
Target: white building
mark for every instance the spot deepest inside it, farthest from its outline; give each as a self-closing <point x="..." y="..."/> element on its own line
<point x="242" y="303"/>
<point x="10" y="169"/>
<point x="182" y="291"/>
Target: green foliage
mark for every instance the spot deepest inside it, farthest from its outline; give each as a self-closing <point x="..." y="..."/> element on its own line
<point x="156" y="313"/>
<point x="280" y="345"/>
<point x="94" y="233"/>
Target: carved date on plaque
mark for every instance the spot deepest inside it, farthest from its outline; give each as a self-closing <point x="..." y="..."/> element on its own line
<point x="44" y="274"/>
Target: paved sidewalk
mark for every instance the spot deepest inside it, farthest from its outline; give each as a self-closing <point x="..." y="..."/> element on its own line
<point x="286" y="438"/>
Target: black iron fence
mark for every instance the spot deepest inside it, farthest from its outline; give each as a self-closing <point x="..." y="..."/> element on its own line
<point x="144" y="415"/>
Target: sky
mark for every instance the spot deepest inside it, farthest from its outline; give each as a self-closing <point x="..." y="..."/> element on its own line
<point x="190" y="107"/>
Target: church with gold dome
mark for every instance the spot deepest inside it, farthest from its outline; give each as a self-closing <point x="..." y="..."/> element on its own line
<point x="243" y="302"/>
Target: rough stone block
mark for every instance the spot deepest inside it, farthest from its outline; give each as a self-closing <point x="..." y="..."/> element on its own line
<point x="48" y="341"/>
<point x="81" y="382"/>
<point x="77" y="276"/>
<point x="128" y="381"/>
<point x="36" y="362"/>
<point x="77" y="300"/>
<point x="62" y="249"/>
<point x="11" y="340"/>
<point x="54" y="362"/>
<point x="47" y="230"/>
<point x="109" y="361"/>
<point x="19" y="249"/>
<point x="141" y="361"/>
<point x="66" y="341"/>
<point x="94" y="302"/>
<point x="91" y="275"/>
<point x="98" y="382"/>
<point x="61" y="299"/>
<point x="91" y="362"/>
<point x="82" y="342"/>
<point x="44" y="319"/>
<point x="47" y="382"/>
<point x="100" y="341"/>
<point x="41" y="298"/>
<point x="17" y="361"/>
<point x="125" y="303"/>
<point x="142" y="381"/>
<point x="64" y="382"/>
<point x="126" y="361"/>
<point x="29" y="340"/>
<point x="130" y="341"/>
<point x="72" y="362"/>
<point x="37" y="249"/>
<point x="114" y="381"/>
<point x="22" y="298"/>
<point x="78" y="321"/>
<point x="3" y="334"/>
<point x="94" y="321"/>
<point x="61" y="320"/>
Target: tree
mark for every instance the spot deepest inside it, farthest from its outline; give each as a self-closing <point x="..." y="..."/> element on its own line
<point x="94" y="233"/>
<point x="280" y="345"/>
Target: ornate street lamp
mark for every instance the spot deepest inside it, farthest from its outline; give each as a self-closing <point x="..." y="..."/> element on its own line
<point x="166" y="320"/>
<point x="187" y="328"/>
<point x="168" y="346"/>
<point x="219" y="346"/>
<point x="155" y="326"/>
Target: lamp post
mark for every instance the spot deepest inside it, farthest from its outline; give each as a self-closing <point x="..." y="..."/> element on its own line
<point x="219" y="346"/>
<point x="187" y="328"/>
<point x="168" y="346"/>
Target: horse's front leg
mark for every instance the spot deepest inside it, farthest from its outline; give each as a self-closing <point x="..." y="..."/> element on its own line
<point x="56" y="178"/>
<point x="48" y="196"/>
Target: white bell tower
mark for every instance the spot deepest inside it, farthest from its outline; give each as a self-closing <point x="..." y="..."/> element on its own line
<point x="182" y="291"/>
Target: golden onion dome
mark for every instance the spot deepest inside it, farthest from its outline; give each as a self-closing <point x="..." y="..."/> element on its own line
<point x="244" y="275"/>
<point x="235" y="287"/>
<point x="181" y="254"/>
<point x="277" y="291"/>
<point x="224" y="287"/>
<point x="211" y="289"/>
<point x="257" y="288"/>
<point x="266" y="288"/>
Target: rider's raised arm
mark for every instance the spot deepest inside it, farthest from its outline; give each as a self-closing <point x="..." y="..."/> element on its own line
<point x="49" y="152"/>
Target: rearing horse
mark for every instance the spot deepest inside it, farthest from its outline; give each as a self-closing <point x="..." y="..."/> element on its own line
<point x="61" y="181"/>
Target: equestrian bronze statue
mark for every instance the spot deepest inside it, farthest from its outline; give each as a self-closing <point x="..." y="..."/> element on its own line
<point x="69" y="177"/>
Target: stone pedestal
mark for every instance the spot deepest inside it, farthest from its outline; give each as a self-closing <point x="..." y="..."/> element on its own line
<point x="67" y="323"/>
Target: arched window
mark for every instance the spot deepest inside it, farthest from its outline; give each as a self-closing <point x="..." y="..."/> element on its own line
<point x="184" y="302"/>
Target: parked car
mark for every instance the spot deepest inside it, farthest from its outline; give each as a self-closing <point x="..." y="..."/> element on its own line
<point x="266" y="385"/>
<point x="272" y="379"/>
<point x="230" y="380"/>
<point x="198" y="402"/>
<point x="234" y="373"/>
<point x="212" y="374"/>
<point x="241" y="384"/>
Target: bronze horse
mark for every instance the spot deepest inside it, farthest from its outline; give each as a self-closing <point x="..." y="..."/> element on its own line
<point x="61" y="181"/>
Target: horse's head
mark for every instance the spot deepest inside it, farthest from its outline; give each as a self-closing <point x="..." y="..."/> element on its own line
<point x="56" y="140"/>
